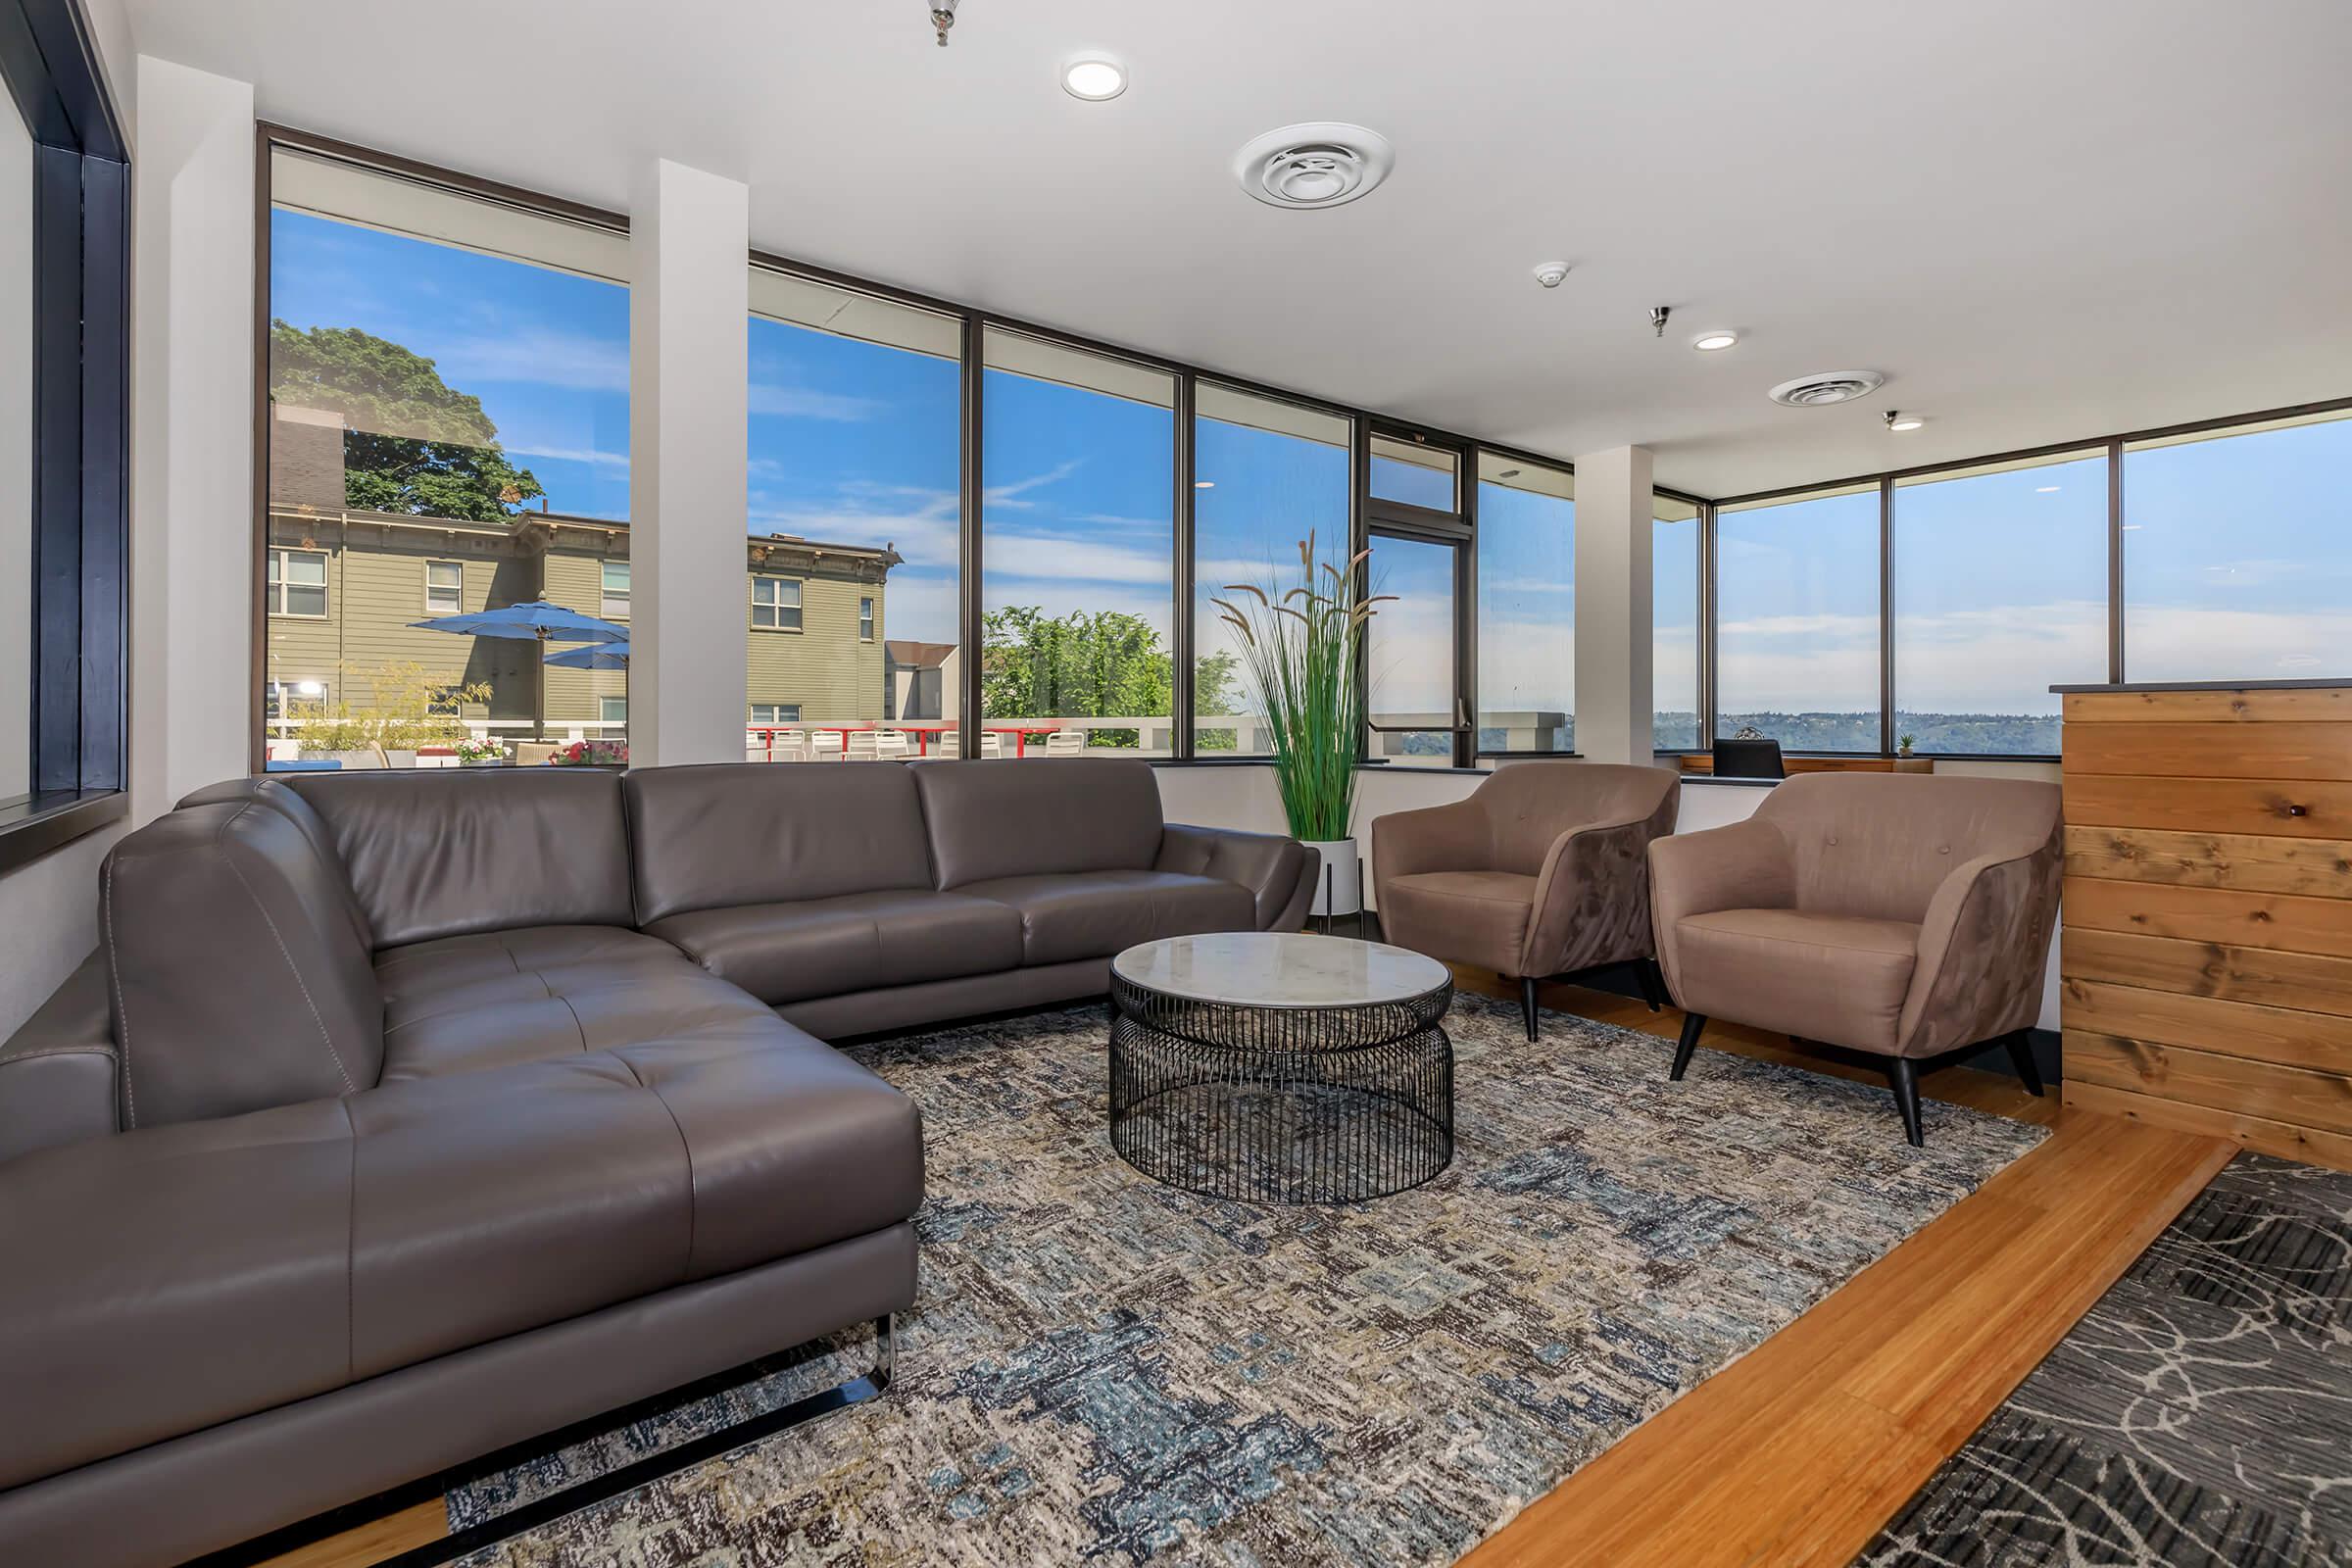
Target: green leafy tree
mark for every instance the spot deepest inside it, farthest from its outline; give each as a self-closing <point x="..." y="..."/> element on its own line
<point x="1085" y="665"/>
<point x="445" y="461"/>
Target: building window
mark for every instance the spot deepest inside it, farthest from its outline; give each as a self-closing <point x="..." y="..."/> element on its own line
<point x="775" y="712"/>
<point x="775" y="604"/>
<point x="1797" y="620"/>
<point x="612" y="709"/>
<point x="615" y="599"/>
<point x="1267" y="475"/>
<point x="1674" y="623"/>
<point x="2237" y="552"/>
<point x="413" y="405"/>
<point x="289" y="701"/>
<point x="444" y="587"/>
<point x="2000" y="589"/>
<point x="1078" y="540"/>
<point x="1526" y="606"/>
<point x="865" y="621"/>
<point x="298" y="583"/>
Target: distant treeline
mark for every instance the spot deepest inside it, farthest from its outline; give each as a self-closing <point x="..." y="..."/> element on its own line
<point x="1978" y="734"/>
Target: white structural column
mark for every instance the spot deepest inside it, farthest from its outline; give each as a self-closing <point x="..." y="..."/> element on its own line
<point x="689" y="305"/>
<point x="1613" y="606"/>
<point x="195" y="566"/>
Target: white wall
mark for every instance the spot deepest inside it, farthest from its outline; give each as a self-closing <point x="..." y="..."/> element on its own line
<point x="192" y="558"/>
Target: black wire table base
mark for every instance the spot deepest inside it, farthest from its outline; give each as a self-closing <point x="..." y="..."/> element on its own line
<point x="1266" y="1104"/>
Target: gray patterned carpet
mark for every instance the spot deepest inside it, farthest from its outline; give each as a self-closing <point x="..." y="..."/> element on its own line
<point x="2199" y="1416"/>
<point x="1104" y="1370"/>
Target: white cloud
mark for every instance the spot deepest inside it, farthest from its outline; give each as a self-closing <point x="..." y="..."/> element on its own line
<point x="603" y="460"/>
<point x="540" y="355"/>
<point x="805" y="403"/>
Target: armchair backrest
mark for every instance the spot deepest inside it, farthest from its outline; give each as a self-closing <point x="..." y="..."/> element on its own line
<point x="1877" y="845"/>
<point x="1528" y="805"/>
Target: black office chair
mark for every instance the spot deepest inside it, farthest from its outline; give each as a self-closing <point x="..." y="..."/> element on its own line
<point x="1749" y="759"/>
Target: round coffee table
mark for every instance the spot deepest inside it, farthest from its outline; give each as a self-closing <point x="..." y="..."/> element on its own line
<point x="1278" y="1068"/>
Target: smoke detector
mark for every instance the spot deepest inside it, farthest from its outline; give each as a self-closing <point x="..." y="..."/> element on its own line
<point x="1552" y="274"/>
<point x="1830" y="386"/>
<point x="1320" y="163"/>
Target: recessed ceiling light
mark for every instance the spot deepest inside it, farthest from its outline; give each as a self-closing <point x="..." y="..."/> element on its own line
<point x="1903" y="421"/>
<point x="1094" y="77"/>
<point x="1205" y="484"/>
<point x="1711" y="342"/>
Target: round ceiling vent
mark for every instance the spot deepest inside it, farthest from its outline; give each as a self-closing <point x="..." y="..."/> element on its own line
<point x="1319" y="164"/>
<point x="1831" y="386"/>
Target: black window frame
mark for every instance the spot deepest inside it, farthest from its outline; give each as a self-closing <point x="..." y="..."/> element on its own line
<point x="80" y="440"/>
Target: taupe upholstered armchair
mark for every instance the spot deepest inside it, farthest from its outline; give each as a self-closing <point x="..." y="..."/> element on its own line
<point x="1539" y="873"/>
<point x="1903" y="914"/>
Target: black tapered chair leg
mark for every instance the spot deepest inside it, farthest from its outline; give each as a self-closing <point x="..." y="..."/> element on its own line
<point x="1527" y="1004"/>
<point x="1653" y="982"/>
<point x="1903" y="1072"/>
<point x="1687" y="1046"/>
<point x="2020" y="1057"/>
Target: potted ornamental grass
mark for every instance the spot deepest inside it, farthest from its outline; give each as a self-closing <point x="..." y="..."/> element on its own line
<point x="1301" y="653"/>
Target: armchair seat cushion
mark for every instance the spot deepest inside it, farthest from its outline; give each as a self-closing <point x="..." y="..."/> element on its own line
<point x="791" y="952"/>
<point x="1095" y="915"/>
<point x="1473" y="917"/>
<point x="1838" y="979"/>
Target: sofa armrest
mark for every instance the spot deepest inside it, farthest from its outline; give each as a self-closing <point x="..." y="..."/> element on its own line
<point x="1277" y="870"/>
<point x="1746" y="865"/>
<point x="1593" y="895"/>
<point x="59" y="1075"/>
<point x="1983" y="949"/>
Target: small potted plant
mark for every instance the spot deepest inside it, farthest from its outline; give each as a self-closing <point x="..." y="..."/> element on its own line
<point x="592" y="753"/>
<point x="479" y="751"/>
<point x="1905" y="763"/>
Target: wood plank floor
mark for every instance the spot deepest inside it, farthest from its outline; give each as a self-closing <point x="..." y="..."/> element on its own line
<point x="1799" y="1452"/>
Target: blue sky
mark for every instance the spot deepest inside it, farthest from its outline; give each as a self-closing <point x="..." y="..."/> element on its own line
<point x="2238" y="559"/>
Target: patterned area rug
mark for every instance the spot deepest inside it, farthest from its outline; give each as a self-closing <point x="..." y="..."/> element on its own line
<point x="2199" y="1416"/>
<point x="1103" y="1369"/>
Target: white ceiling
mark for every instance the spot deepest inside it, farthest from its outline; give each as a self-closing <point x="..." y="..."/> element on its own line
<point x="2041" y="219"/>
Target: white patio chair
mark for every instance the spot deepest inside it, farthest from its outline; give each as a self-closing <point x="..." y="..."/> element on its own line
<point x="992" y="744"/>
<point x="824" y="745"/>
<point x="1066" y="743"/>
<point x="945" y="743"/>
<point x="864" y="746"/>
<point x="892" y="745"/>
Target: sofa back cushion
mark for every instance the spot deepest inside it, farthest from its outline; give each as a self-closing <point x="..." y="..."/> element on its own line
<point x="275" y="796"/>
<point x="1877" y="845"/>
<point x="1033" y="817"/>
<point x="442" y="852"/>
<point x="235" y="978"/>
<point x="738" y="833"/>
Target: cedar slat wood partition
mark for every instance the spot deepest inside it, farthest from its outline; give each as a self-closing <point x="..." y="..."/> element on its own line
<point x="2207" y="948"/>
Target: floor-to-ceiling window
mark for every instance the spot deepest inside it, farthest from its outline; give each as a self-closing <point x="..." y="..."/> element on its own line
<point x="1410" y="651"/>
<point x="1267" y="477"/>
<point x="1674" y="623"/>
<point x="849" y="609"/>
<point x="2237" y="553"/>
<point x="1077" y="548"/>
<point x="2001" y="590"/>
<point x="1797" y="620"/>
<point x="1526" y="606"/>
<point x="449" y="435"/>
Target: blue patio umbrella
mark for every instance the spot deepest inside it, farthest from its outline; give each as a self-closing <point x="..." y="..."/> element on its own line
<point x="596" y="655"/>
<point x="537" y="621"/>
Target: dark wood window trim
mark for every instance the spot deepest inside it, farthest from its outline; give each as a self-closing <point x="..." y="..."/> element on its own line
<point x="81" y="478"/>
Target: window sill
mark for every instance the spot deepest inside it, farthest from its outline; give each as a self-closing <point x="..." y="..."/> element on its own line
<point x="38" y="824"/>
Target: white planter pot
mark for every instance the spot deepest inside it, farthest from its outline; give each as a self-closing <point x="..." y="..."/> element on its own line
<point x="1338" y="880"/>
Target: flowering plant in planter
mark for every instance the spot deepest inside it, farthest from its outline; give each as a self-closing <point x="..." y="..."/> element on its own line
<point x="480" y="749"/>
<point x="592" y="753"/>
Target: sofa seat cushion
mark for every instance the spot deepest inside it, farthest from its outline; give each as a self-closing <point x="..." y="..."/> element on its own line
<point x="791" y="952"/>
<point x="476" y="1001"/>
<point x="1838" y="979"/>
<point x="165" y="1280"/>
<point x="1477" y="918"/>
<point x="1095" y="915"/>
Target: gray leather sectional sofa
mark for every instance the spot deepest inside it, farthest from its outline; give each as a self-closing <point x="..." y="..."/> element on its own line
<point x="403" y="1117"/>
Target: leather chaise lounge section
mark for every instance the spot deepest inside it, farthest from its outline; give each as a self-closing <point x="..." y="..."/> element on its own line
<point x="400" y="1118"/>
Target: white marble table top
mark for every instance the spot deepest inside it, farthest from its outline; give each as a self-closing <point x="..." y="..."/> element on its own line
<point x="1279" y="970"/>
